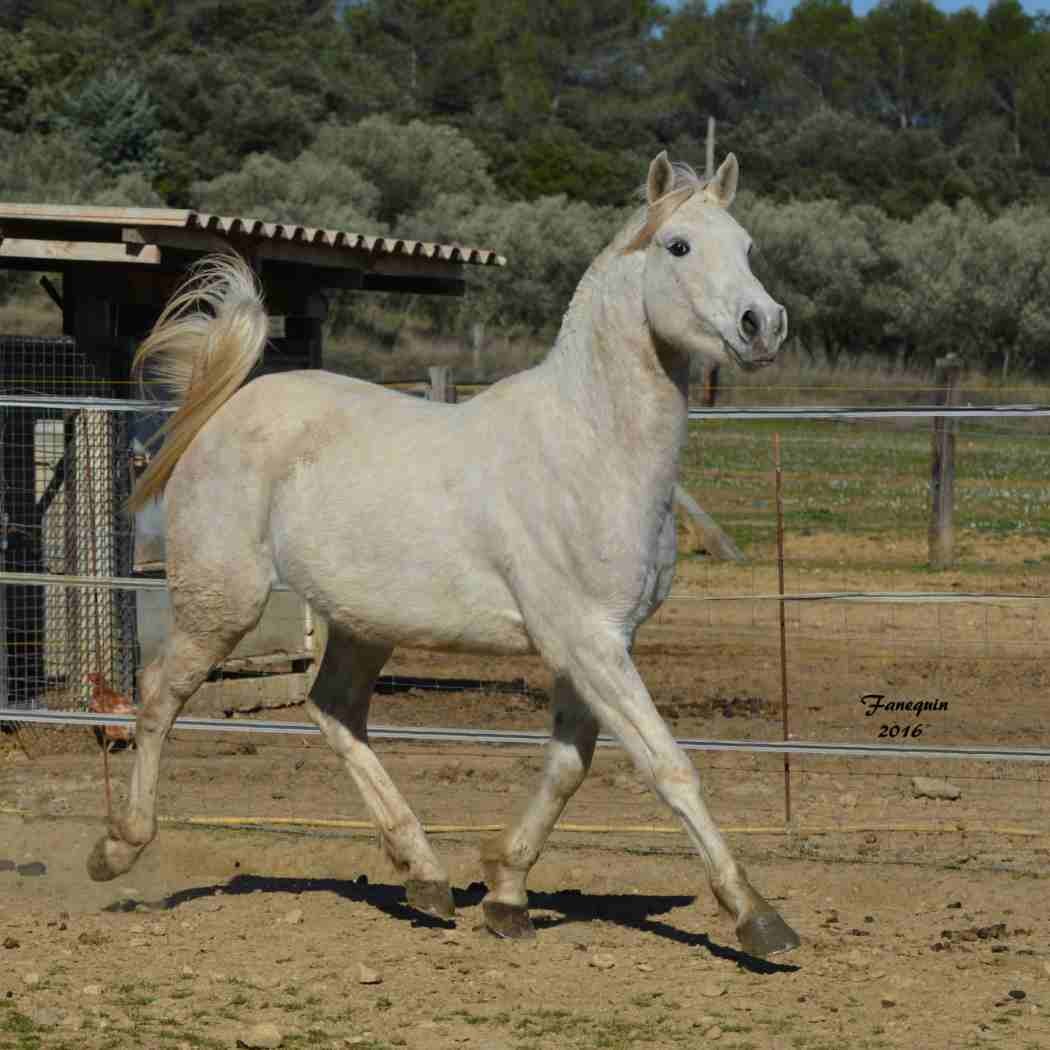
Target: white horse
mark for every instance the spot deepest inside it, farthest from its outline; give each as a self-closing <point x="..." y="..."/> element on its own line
<point x="536" y="517"/>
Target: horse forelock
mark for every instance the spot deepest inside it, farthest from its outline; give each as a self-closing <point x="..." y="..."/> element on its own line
<point x="686" y="183"/>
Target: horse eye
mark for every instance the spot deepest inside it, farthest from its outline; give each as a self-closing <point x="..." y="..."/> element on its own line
<point x="678" y="247"/>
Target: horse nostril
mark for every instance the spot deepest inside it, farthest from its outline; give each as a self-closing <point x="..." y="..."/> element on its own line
<point x="749" y="325"/>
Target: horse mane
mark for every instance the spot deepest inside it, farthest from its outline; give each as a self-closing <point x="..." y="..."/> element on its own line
<point x="686" y="183"/>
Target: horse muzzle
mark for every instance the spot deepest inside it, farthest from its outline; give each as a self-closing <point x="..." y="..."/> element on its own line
<point x="760" y="333"/>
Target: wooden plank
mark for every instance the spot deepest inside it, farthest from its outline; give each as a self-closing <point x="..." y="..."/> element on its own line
<point x="77" y="251"/>
<point x="708" y="531"/>
<point x="184" y="240"/>
<point x="79" y="213"/>
<point x="202" y="232"/>
<point x="942" y="466"/>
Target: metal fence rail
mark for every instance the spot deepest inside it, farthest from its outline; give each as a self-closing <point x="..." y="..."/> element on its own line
<point x="63" y="585"/>
<point x="781" y="412"/>
<point x="529" y="738"/>
<point x="876" y="413"/>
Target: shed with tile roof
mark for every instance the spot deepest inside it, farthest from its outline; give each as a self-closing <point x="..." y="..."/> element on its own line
<point x="67" y="450"/>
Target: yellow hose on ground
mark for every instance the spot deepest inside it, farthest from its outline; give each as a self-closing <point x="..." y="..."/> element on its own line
<point x="587" y="829"/>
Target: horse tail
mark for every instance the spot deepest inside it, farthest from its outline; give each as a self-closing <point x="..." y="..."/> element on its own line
<point x="201" y="355"/>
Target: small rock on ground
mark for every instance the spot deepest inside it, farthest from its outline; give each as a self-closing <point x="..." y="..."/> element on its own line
<point x="48" y="1015"/>
<point x="931" y="787"/>
<point x="263" y="1036"/>
<point x="367" y="976"/>
<point x="602" y="961"/>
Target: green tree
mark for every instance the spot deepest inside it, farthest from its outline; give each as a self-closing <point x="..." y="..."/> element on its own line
<point x="1014" y="61"/>
<point x="550" y="243"/>
<point x="720" y="63"/>
<point x="118" y="119"/>
<point x="962" y="281"/>
<point x="823" y="41"/>
<point x="910" y="60"/>
<point x="831" y="154"/>
<point x="310" y="190"/>
<point x="821" y="261"/>
<point x="410" y="164"/>
<point x="59" y="169"/>
<point x="20" y="69"/>
<point x="429" y="42"/>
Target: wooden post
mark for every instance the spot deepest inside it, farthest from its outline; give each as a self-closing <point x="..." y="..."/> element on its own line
<point x="442" y="385"/>
<point x="477" y="339"/>
<point x="709" y="162"/>
<point x="706" y="529"/>
<point x="785" y="722"/>
<point x="942" y="474"/>
<point x="710" y="395"/>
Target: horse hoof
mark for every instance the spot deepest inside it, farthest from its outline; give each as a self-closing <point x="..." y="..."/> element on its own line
<point x="508" y="921"/>
<point x="431" y="898"/>
<point x="766" y="933"/>
<point x="110" y="858"/>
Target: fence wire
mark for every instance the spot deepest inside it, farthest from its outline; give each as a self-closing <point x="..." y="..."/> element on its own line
<point x="865" y="616"/>
<point x="64" y="475"/>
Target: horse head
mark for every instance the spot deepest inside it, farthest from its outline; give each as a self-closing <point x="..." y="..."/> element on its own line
<point x="699" y="292"/>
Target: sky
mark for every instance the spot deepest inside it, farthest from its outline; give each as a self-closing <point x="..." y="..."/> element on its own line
<point x="782" y="7"/>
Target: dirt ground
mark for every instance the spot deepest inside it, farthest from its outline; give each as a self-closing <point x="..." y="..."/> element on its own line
<point x="924" y="922"/>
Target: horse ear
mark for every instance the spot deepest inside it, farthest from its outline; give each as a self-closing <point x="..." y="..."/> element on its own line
<point x="661" y="178"/>
<point x="722" y="188"/>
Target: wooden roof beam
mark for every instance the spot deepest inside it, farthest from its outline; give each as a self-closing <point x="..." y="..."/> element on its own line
<point x="59" y="251"/>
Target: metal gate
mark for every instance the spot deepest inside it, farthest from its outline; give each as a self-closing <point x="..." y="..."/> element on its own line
<point x="65" y="472"/>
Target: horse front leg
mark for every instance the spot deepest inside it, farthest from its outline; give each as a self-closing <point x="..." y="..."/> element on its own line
<point x="607" y="681"/>
<point x="508" y="857"/>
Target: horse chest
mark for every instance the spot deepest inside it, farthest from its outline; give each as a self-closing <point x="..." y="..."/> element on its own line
<point x="657" y="575"/>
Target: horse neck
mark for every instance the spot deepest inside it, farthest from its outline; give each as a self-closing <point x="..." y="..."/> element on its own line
<point x="606" y="363"/>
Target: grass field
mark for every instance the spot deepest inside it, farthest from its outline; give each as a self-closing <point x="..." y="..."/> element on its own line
<point x="868" y="479"/>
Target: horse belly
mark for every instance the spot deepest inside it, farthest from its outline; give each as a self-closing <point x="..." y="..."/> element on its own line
<point x="420" y="606"/>
<point x="423" y="620"/>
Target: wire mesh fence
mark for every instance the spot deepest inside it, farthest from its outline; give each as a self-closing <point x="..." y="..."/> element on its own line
<point x="64" y="475"/>
<point x="866" y="616"/>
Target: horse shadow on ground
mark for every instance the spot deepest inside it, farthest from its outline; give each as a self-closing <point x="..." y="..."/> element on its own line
<point x="634" y="911"/>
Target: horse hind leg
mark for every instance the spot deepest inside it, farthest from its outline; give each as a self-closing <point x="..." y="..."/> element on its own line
<point x="341" y="712"/>
<point x="508" y="857"/>
<point x="206" y="630"/>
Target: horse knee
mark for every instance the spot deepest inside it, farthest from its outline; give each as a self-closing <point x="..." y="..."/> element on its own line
<point x="566" y="771"/>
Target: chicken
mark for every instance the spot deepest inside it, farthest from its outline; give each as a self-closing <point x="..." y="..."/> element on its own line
<point x="105" y="700"/>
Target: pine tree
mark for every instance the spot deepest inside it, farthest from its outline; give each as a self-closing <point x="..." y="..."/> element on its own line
<point x="116" y="117"/>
